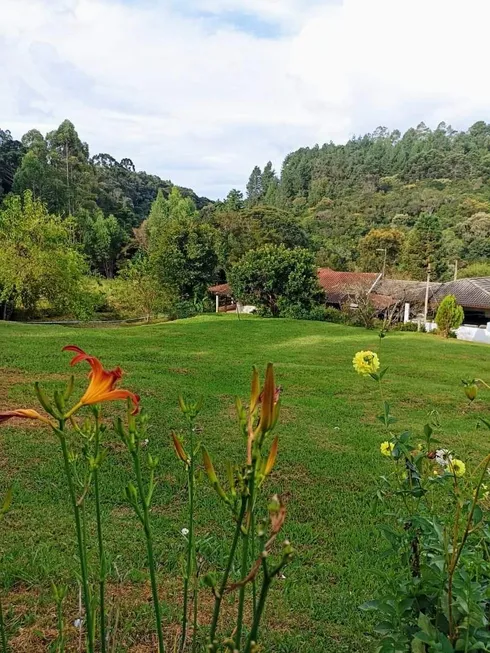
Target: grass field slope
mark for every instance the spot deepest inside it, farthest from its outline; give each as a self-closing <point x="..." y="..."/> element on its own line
<point x="327" y="464"/>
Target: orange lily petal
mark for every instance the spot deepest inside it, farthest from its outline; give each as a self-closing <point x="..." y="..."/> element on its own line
<point x="272" y="457"/>
<point x="26" y="413"/>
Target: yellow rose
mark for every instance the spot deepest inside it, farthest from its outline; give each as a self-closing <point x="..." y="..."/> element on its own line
<point x="457" y="467"/>
<point x="386" y="448"/>
<point x="366" y="362"/>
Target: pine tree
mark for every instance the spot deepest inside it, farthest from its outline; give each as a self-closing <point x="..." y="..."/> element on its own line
<point x="450" y="316"/>
<point x="254" y="187"/>
<point x="234" y="200"/>
<point x="423" y="247"/>
<point x="269" y="178"/>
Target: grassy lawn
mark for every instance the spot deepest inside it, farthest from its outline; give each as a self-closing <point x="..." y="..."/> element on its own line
<point x="328" y="461"/>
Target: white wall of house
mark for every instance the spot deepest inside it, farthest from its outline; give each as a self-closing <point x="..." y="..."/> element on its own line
<point x="469" y="333"/>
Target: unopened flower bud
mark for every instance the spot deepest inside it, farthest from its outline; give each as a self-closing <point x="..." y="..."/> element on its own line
<point x="44" y="401"/>
<point x="131" y="493"/>
<point x="183" y="405"/>
<point x="274" y="504"/>
<point x="471" y="391"/>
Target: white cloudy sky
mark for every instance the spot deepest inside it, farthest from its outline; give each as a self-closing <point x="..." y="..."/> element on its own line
<point x="199" y="91"/>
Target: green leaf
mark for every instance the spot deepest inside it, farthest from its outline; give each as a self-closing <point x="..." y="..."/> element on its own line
<point x="425" y="625"/>
<point x="382" y="373"/>
<point x="383" y="628"/>
<point x="477" y="515"/>
<point x="446" y="644"/>
<point x="370" y="605"/>
<point x="423" y="637"/>
<point x="418" y="646"/>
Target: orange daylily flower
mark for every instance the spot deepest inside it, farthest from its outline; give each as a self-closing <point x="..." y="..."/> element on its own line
<point x="267" y="400"/>
<point x="24" y="413"/>
<point x="102" y="382"/>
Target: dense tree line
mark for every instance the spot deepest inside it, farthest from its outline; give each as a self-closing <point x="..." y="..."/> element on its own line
<point x="106" y="198"/>
<point x="97" y="204"/>
<point x="383" y="200"/>
<point x="357" y="199"/>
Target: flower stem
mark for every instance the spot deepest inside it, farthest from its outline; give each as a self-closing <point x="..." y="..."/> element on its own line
<point x="266" y="583"/>
<point x="80" y="540"/>
<point x="191" y="554"/>
<point x="224" y="580"/>
<point x="194" y="612"/>
<point x="149" y="548"/>
<point x="254" y="581"/>
<point x="100" y="540"/>
<point x="244" y="562"/>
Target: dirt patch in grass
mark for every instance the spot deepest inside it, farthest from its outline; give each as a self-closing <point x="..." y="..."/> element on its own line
<point x="179" y="370"/>
<point x="32" y="622"/>
<point x="13" y="376"/>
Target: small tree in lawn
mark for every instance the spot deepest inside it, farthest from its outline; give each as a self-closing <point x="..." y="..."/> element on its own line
<point x="278" y="280"/>
<point x="138" y="291"/>
<point x="449" y="316"/>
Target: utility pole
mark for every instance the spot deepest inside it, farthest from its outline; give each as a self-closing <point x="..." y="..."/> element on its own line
<point x="385" y="250"/>
<point x="456" y="270"/>
<point x="426" y="309"/>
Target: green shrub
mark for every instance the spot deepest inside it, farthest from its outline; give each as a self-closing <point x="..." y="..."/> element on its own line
<point x="405" y="326"/>
<point x="300" y="312"/>
<point x="332" y="314"/>
<point x="450" y="316"/>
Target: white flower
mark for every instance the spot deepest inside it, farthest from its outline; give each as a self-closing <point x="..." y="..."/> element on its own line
<point x="78" y="623"/>
<point x="443" y="457"/>
<point x="145" y="442"/>
<point x="185" y="532"/>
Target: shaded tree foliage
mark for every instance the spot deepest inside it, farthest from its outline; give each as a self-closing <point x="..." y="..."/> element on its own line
<point x="38" y="260"/>
<point x="423" y="247"/>
<point x="378" y="247"/>
<point x="241" y="231"/>
<point x="184" y="259"/>
<point x="99" y="190"/>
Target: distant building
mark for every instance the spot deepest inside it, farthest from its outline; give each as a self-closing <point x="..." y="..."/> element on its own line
<point x="472" y="294"/>
<point x="342" y="288"/>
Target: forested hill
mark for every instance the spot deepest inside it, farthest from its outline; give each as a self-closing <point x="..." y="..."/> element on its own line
<point x="59" y="170"/>
<point x="385" y="181"/>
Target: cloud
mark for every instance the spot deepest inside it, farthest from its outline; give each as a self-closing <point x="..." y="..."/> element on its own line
<point x="200" y="96"/>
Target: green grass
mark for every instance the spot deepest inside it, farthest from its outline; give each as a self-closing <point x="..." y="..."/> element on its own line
<point x="327" y="464"/>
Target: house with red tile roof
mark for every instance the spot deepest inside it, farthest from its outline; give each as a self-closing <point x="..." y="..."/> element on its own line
<point x="472" y="294"/>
